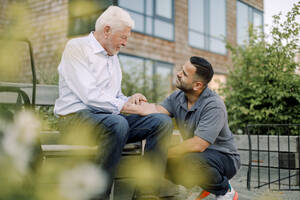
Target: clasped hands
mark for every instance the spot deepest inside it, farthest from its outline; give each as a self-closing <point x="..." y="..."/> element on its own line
<point x="137" y="104"/>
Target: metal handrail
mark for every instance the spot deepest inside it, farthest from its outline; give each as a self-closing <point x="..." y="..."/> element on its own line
<point x="32" y="69"/>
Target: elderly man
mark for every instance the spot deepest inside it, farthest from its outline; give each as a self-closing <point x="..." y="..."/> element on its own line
<point x="208" y="156"/>
<point x="90" y="93"/>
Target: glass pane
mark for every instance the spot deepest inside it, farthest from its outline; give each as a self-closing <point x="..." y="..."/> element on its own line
<point x="164" y="8"/>
<point x="138" y="21"/>
<point x="257" y="20"/>
<point x="163" y="29"/>
<point x="242" y="23"/>
<point x="133" y="73"/>
<point x="217" y="46"/>
<point x="163" y="80"/>
<point x="149" y="7"/>
<point x="149" y="68"/>
<point x="149" y="22"/>
<point x="196" y="15"/>
<point x="196" y="40"/>
<point x="217" y="16"/>
<point x="130" y="63"/>
<point x="148" y="83"/>
<point x="136" y="5"/>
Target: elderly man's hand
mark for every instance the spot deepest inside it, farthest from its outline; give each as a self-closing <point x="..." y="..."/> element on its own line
<point x="147" y="108"/>
<point x="137" y="99"/>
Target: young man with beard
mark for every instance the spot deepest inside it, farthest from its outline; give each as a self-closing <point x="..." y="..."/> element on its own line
<point x="208" y="156"/>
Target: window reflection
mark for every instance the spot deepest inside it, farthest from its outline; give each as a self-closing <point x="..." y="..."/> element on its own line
<point x="152" y="78"/>
<point x="153" y="20"/>
<point x="164" y="8"/>
<point x="136" y="5"/>
<point x="207" y="25"/>
<point x="246" y="15"/>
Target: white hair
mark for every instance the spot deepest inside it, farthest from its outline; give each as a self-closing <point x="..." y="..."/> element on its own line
<point x="115" y="17"/>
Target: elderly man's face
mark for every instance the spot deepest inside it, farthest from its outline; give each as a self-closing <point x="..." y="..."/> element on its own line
<point x="117" y="39"/>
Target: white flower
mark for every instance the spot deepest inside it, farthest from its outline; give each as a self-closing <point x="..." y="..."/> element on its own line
<point x="27" y="127"/>
<point x="82" y="182"/>
<point x="19" y="139"/>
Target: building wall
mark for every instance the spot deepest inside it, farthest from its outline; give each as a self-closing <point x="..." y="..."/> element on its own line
<point x="49" y="24"/>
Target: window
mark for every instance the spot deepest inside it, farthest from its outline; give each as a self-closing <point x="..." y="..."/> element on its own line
<point x="83" y="15"/>
<point x="147" y="76"/>
<point x="207" y="25"/>
<point x="152" y="17"/>
<point x="246" y="15"/>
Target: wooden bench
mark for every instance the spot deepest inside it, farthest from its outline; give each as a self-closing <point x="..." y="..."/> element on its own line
<point x="46" y="96"/>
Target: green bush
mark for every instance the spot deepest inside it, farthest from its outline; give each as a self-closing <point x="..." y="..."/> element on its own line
<point x="263" y="86"/>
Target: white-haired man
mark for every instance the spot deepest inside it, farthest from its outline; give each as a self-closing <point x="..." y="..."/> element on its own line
<point x="90" y="92"/>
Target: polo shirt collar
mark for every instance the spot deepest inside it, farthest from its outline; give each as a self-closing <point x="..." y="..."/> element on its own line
<point x="203" y="95"/>
<point x="97" y="47"/>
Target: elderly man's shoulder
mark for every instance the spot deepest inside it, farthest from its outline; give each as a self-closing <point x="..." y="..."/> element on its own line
<point x="77" y="42"/>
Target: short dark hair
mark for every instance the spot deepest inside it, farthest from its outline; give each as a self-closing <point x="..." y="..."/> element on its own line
<point x="204" y="69"/>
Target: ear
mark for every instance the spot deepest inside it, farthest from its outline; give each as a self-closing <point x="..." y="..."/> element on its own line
<point x="198" y="85"/>
<point x="107" y="31"/>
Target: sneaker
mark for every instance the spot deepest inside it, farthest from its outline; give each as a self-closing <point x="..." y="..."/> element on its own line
<point x="232" y="195"/>
<point x="202" y="195"/>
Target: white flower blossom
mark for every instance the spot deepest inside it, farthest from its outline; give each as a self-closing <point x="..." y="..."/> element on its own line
<point x="82" y="182"/>
<point x="19" y="138"/>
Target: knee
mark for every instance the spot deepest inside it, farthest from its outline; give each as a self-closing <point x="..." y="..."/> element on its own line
<point x="118" y="127"/>
<point x="162" y="120"/>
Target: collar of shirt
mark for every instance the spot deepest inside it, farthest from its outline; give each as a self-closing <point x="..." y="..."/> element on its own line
<point x="97" y="47"/>
<point x="183" y="100"/>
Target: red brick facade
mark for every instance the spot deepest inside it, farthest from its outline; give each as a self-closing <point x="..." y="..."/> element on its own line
<point x="49" y="24"/>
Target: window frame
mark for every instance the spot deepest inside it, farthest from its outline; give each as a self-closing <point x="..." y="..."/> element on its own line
<point x="154" y="68"/>
<point x="251" y="10"/>
<point x="153" y="17"/>
<point x="207" y="23"/>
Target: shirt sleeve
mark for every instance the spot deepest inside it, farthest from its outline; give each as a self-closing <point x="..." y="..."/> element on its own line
<point x="82" y="82"/>
<point x="169" y="105"/>
<point x="122" y="96"/>
<point x="211" y="123"/>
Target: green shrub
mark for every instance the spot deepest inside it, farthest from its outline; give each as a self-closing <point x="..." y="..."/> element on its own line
<point x="263" y="86"/>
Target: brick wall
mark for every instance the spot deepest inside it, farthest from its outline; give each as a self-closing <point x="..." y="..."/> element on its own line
<point x="49" y="23"/>
<point x="50" y="26"/>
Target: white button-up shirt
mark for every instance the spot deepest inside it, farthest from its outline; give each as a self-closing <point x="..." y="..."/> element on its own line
<point x="89" y="78"/>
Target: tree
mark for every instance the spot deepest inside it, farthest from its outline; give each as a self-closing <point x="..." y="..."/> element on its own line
<point x="263" y="87"/>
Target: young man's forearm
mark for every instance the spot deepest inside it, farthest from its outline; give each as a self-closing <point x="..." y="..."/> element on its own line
<point x="194" y="144"/>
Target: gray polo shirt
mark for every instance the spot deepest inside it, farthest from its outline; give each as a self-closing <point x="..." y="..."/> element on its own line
<point x="207" y="119"/>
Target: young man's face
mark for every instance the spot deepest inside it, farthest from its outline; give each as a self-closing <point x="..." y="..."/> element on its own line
<point x="185" y="77"/>
<point x="117" y="39"/>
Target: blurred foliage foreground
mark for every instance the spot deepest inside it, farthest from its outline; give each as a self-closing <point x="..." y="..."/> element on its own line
<point x="25" y="175"/>
<point x="263" y="87"/>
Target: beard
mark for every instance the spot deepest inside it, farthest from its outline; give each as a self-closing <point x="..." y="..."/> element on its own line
<point x="184" y="87"/>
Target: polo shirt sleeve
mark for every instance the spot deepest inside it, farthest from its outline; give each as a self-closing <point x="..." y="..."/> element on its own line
<point x="169" y="104"/>
<point x="211" y="123"/>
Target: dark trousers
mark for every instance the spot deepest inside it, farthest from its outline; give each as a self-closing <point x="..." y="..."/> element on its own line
<point x="114" y="131"/>
<point x="210" y="170"/>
